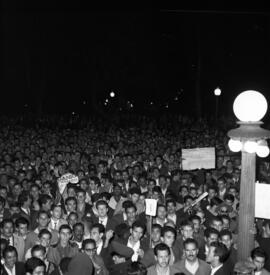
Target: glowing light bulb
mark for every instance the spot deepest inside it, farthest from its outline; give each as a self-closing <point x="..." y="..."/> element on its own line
<point x="235" y="145"/>
<point x="250" y="146"/>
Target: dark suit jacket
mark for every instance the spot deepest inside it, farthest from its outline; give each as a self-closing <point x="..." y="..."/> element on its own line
<point x="224" y="270"/>
<point x="19" y="269"/>
<point x="110" y="223"/>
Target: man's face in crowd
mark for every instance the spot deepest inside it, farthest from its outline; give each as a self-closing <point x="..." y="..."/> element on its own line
<point x="161" y="212"/>
<point x="136" y="233"/>
<point x="212" y="238"/>
<point x="217" y="225"/>
<point x="95" y="235"/>
<point x="211" y="193"/>
<point x="71" y="206"/>
<point x="39" y="254"/>
<point x="22" y="229"/>
<point x="90" y="249"/>
<point x="226" y="239"/>
<point x="196" y="225"/>
<point x="72" y="219"/>
<point x="45" y="240"/>
<point x="65" y="235"/>
<point x="210" y="257"/>
<point x="78" y="233"/>
<point x="191" y="252"/>
<point x="102" y="210"/>
<point x="8" y="229"/>
<point x="187" y="231"/>
<point x="135" y="198"/>
<point x="171" y="208"/>
<point x="169" y="238"/>
<point x="162" y="258"/>
<point x="10" y="259"/>
<point x="156" y="235"/>
<point x="258" y="262"/>
<point x="43" y="220"/>
<point x="131" y="214"/>
<point x="81" y="197"/>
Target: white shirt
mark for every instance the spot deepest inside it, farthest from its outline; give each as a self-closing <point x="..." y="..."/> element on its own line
<point x="257" y="272"/>
<point x="215" y="269"/>
<point x="13" y="272"/>
<point x="99" y="247"/>
<point x="192" y="267"/>
<point x="135" y="248"/>
<point x="103" y="221"/>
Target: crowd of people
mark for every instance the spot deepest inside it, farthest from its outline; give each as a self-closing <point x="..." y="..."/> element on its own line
<point x="72" y="198"/>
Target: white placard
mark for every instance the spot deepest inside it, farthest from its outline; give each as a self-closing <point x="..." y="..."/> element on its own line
<point x="151" y="207"/>
<point x="262" y="201"/>
<point x="198" y="158"/>
<point x="65" y="179"/>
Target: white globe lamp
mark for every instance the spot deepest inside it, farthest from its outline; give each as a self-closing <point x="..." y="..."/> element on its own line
<point x="112" y="94"/>
<point x="262" y="149"/>
<point x="250" y="146"/>
<point x="250" y="106"/>
<point x="235" y="145"/>
<point x="217" y="91"/>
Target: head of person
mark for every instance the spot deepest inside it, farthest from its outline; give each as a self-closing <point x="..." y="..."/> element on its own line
<point x="162" y="255"/>
<point x="210" y="235"/>
<point x="38" y="251"/>
<point x="24" y="199"/>
<point x="226" y="238"/>
<point x="35" y="266"/>
<point x="72" y="218"/>
<point x="216" y="223"/>
<point x="43" y="219"/>
<point x="196" y="220"/>
<point x="22" y="226"/>
<point x="78" y="231"/>
<point x="156" y="233"/>
<point x="168" y="235"/>
<point x="130" y="211"/>
<point x="161" y="211"/>
<point x="258" y="257"/>
<point x="135" y="193"/>
<point x="191" y="249"/>
<point x="89" y="247"/>
<point x="65" y="234"/>
<point x="80" y="195"/>
<point x="217" y="254"/>
<point x="3" y="245"/>
<point x="212" y="191"/>
<point x="64" y="264"/>
<point x="102" y="208"/>
<point x="71" y="204"/>
<point x="187" y="229"/>
<point x="45" y="237"/>
<point x="137" y="230"/>
<point x="45" y="202"/>
<point x="97" y="232"/>
<point x="56" y="211"/>
<point x="10" y="256"/>
<point x="171" y="206"/>
<point x="7" y="228"/>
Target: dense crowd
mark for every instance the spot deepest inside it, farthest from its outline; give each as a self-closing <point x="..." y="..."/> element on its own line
<point x="73" y="191"/>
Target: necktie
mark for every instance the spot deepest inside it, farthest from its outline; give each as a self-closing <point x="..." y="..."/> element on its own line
<point x="55" y="225"/>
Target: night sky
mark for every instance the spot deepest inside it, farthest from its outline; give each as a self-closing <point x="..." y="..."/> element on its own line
<point x="69" y="61"/>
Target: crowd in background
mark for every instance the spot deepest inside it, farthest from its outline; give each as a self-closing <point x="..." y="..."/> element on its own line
<point x="97" y="224"/>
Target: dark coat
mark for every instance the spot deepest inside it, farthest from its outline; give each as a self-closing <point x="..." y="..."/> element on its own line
<point x="19" y="269"/>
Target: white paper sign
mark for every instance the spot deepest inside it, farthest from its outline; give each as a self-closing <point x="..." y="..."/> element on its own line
<point x="262" y="201"/>
<point x="151" y="207"/>
<point x="198" y="158"/>
<point x="65" y="179"/>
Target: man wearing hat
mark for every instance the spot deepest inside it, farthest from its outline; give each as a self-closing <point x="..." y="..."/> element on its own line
<point x="121" y="256"/>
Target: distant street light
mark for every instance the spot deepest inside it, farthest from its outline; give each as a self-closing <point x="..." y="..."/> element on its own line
<point x="217" y="93"/>
<point x="112" y="94"/>
<point x="249" y="107"/>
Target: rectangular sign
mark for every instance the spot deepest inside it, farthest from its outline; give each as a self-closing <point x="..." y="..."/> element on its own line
<point x="151" y="207"/>
<point x="198" y="158"/>
<point x="262" y="202"/>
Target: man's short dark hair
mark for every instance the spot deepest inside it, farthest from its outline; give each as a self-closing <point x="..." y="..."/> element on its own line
<point x="259" y="252"/>
<point x="225" y="232"/>
<point x="38" y="247"/>
<point x="32" y="263"/>
<point x="44" y="231"/>
<point x="9" y="249"/>
<point x="100" y="227"/>
<point x="21" y="220"/>
<point x="220" y="250"/>
<point x="129" y="204"/>
<point x="191" y="241"/>
<point x="157" y="226"/>
<point x="167" y="228"/>
<point x="87" y="241"/>
<point x="137" y="224"/>
<point x="210" y="230"/>
<point x="65" y="226"/>
<point x="101" y="202"/>
<point x="170" y="201"/>
<point x="135" y="190"/>
<point x="161" y="247"/>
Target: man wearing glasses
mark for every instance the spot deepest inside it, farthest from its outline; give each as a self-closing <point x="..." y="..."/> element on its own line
<point x="89" y="248"/>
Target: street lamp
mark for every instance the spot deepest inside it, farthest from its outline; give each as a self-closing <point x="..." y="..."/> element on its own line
<point x="217" y="93"/>
<point x="249" y="107"/>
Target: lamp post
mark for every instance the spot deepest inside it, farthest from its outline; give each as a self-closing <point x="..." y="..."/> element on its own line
<point x="217" y="93"/>
<point x="249" y="107"/>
